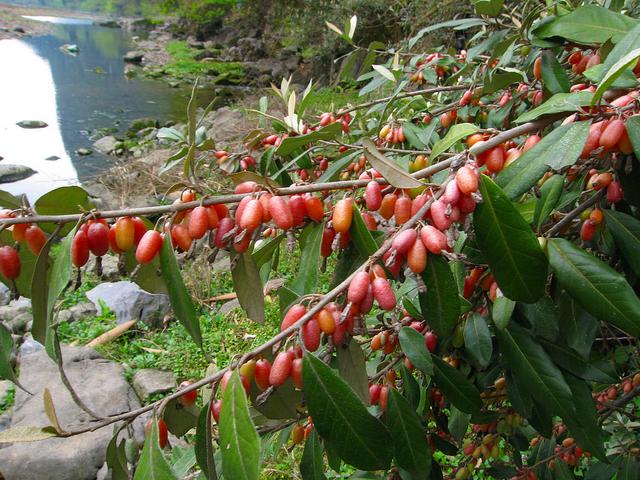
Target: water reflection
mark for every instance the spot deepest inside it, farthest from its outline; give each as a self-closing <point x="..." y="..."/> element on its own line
<point x="75" y="95"/>
<point x="28" y="92"/>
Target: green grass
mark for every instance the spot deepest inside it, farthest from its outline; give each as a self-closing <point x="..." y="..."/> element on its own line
<point x="8" y="400"/>
<point x="330" y="99"/>
<point x="184" y="64"/>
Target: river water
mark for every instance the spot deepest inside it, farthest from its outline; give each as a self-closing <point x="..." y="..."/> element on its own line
<point x="74" y="95"/>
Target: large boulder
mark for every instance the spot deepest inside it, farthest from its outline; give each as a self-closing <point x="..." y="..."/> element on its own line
<point x="133" y="56"/>
<point x="149" y="381"/>
<point x="128" y="301"/>
<point x="225" y="124"/>
<point x="101" y="386"/>
<point x="106" y="144"/>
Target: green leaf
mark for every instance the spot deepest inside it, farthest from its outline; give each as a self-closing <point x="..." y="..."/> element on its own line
<point x="386" y="167"/>
<point x="413" y="133"/>
<point x="628" y="43"/>
<point x="152" y="464"/>
<point x="544" y="381"/>
<point x="588" y="24"/>
<point x="458" y="423"/>
<point x="62" y="201"/>
<point x="309" y="271"/>
<point x="342" y="420"/>
<point x="414" y="347"/>
<point x="601" y="372"/>
<point x="181" y="301"/>
<point x="577" y="327"/>
<point x="488" y="7"/>
<point x="553" y="75"/>
<point x="290" y="144"/>
<point x="410" y="447"/>
<point x="541" y="316"/>
<point x="509" y="245"/>
<point x="461" y="24"/>
<point x="502" y="311"/>
<point x="353" y="369"/>
<point x="410" y="388"/>
<point x="456" y="132"/>
<point x="361" y="235"/>
<point x="500" y="79"/>
<point x="203" y="444"/>
<point x="626" y="233"/>
<point x="626" y="80"/>
<point x="311" y="463"/>
<point x="586" y="428"/>
<point x="550" y="194"/>
<point x="629" y="468"/>
<point x="616" y="70"/>
<point x="336" y="166"/>
<point x="239" y="440"/>
<point x="598" y="288"/>
<point x="633" y="129"/>
<point x="558" y="149"/>
<point x="117" y="459"/>
<point x="456" y="387"/>
<point x="281" y="404"/>
<point x="6" y="349"/>
<point x="477" y="339"/>
<point x="179" y="418"/>
<point x="441" y="303"/>
<point x="9" y="201"/>
<point x="560" y="102"/>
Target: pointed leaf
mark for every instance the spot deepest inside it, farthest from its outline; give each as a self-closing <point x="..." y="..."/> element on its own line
<point x="626" y="233"/>
<point x="410" y="447"/>
<point x="588" y="24"/>
<point x="6" y="349"/>
<point x="502" y="311"/>
<point x="586" y="429"/>
<point x="617" y="69"/>
<point x="331" y="26"/>
<point x="457" y="388"/>
<point x="342" y="420"/>
<point x="553" y="75"/>
<point x="598" y="288"/>
<point x="558" y="149"/>
<point x="203" y="444"/>
<point x="152" y="464"/>
<point x="528" y="360"/>
<point x="311" y="464"/>
<point x="456" y="132"/>
<point x="414" y="347"/>
<point x="353" y="369"/>
<point x="550" y="194"/>
<point x="387" y="168"/>
<point x="360" y="234"/>
<point x="509" y="245"/>
<point x="291" y="144"/>
<point x="560" y="102"/>
<point x="50" y="410"/>
<point x="181" y="301"/>
<point x="309" y="270"/>
<point x="477" y="339"/>
<point x="239" y="440"/>
<point x="385" y="72"/>
<point x="595" y="371"/>
<point x="577" y="327"/>
<point x="179" y="418"/>
<point x="441" y="302"/>
<point x="61" y="201"/>
<point x="116" y="459"/>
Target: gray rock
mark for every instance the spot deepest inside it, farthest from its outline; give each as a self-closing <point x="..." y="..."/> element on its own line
<point x="12" y="173"/>
<point x="5" y="385"/>
<point x="149" y="381"/>
<point x="128" y="301"/>
<point x="104" y="473"/>
<point x="103" y="388"/>
<point x="133" y="56"/>
<point x="52" y="158"/>
<point x="5" y="294"/>
<point x="224" y="123"/>
<point x="83" y="152"/>
<point x="19" y="323"/>
<point x="78" y="312"/>
<point x="15" y="308"/>
<point x="106" y="144"/>
<point x="29" y="346"/>
<point x="32" y="124"/>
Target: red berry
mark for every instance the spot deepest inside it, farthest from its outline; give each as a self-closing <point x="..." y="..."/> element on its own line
<point x="124" y="231"/>
<point x="343" y="215"/>
<point x="467" y="180"/>
<point x="188" y="398"/>
<point x="374" y="393"/>
<point x="294" y="314"/>
<point x="9" y="263"/>
<point x="296" y="373"/>
<point x="402" y="210"/>
<point x="261" y="374"/>
<point x="149" y="246"/>
<point x="225" y="225"/>
<point x="80" y="249"/>
<point x="280" y="213"/>
<point x="139" y="229"/>
<point x="281" y="369"/>
<point x="404" y="241"/>
<point x="180" y="237"/>
<point x="163" y="433"/>
<point x="311" y="335"/>
<point x="358" y="287"/>
<point x="433" y="239"/>
<point x="298" y="209"/>
<point x="198" y="222"/>
<point x="35" y="239"/>
<point x="383" y="293"/>
<point x="98" y="238"/>
<point x="431" y="341"/>
<point x="417" y="257"/>
<point x="251" y="215"/>
<point x="373" y="196"/>
<point x="314" y="208"/>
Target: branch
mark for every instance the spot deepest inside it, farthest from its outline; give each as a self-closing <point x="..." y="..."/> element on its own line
<point x="328" y="297"/>
<point x="575" y="213"/>
<point x="415" y="93"/>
